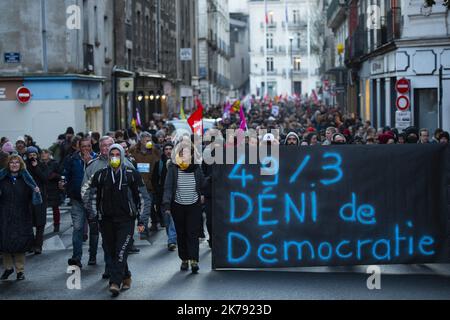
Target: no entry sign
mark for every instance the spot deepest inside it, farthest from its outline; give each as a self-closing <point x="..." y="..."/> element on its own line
<point x="402" y="103"/>
<point x="23" y="95"/>
<point x="402" y="86"/>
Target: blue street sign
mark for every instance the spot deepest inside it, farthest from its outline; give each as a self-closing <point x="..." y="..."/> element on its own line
<point x="12" y="57"/>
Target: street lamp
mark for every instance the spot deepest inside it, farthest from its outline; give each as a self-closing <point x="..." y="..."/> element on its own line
<point x="291" y="39"/>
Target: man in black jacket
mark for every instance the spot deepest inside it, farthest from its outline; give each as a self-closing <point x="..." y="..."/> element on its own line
<point x="39" y="172"/>
<point x="117" y="195"/>
<point x="158" y="180"/>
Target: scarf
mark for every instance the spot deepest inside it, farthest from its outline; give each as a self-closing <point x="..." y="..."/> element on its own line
<point x="28" y="179"/>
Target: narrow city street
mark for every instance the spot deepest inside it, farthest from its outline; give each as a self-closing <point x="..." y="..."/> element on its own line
<point x="156" y="276"/>
<point x="309" y="138"/>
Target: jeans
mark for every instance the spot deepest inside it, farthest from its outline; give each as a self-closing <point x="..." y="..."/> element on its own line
<point x="146" y="233"/>
<point x="79" y="215"/>
<point x="170" y="229"/>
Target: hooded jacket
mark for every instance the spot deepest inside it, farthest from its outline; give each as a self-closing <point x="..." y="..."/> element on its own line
<point x="292" y="134"/>
<point x="99" y="163"/>
<point x="117" y="194"/>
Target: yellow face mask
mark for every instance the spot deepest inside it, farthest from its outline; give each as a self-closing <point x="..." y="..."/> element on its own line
<point x="114" y="162"/>
<point x="180" y="162"/>
<point x="149" y="145"/>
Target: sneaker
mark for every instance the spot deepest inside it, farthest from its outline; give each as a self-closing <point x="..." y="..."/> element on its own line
<point x="20" y="276"/>
<point x="92" y="261"/>
<point x="38" y="251"/>
<point x="172" y="247"/>
<point x="194" y="266"/>
<point x="6" y="274"/>
<point x="114" y="289"/>
<point x="134" y="249"/>
<point x="74" y="262"/>
<point x="126" y="284"/>
<point x="184" y="265"/>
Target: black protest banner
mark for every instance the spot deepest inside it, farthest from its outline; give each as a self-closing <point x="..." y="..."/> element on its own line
<point x="330" y="206"/>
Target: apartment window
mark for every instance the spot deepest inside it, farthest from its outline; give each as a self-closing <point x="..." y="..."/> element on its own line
<point x="128" y="10"/>
<point x="270" y="64"/>
<point x="96" y="25"/>
<point x="298" y="40"/>
<point x="242" y="65"/>
<point x="269" y="42"/>
<point x="297" y="63"/>
<point x="147" y="36"/>
<point x="106" y="32"/>
<point x="85" y="22"/>
<point x="138" y="32"/>
<point x="296" y="15"/>
<point x="270" y="14"/>
<point x="129" y="62"/>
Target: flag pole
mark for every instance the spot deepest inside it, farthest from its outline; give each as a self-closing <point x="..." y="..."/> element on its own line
<point x="309" y="46"/>
<point x="287" y="43"/>
<point x="265" y="47"/>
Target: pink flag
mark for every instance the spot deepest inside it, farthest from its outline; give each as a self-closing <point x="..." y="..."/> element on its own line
<point x="314" y="97"/>
<point x="138" y="117"/>
<point x="243" y="125"/>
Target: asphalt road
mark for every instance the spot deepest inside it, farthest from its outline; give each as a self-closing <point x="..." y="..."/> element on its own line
<point x="156" y="276"/>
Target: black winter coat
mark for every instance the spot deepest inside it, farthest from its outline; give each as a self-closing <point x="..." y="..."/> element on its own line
<point x="16" y="228"/>
<point x="54" y="176"/>
<point x="40" y="176"/>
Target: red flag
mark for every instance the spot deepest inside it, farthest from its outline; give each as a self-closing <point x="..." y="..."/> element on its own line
<point x="196" y="119"/>
<point x="265" y="9"/>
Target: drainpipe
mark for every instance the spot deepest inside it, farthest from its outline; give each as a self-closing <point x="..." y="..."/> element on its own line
<point x="44" y="36"/>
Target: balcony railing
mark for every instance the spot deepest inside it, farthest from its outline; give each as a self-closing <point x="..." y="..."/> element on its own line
<point x="294" y="24"/>
<point x="299" y="72"/>
<point x="272" y="72"/>
<point x="270" y="25"/>
<point x="390" y="28"/>
<point x="336" y="11"/>
<point x="269" y="50"/>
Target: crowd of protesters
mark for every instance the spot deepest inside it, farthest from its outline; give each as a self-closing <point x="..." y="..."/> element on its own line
<point x="128" y="178"/>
